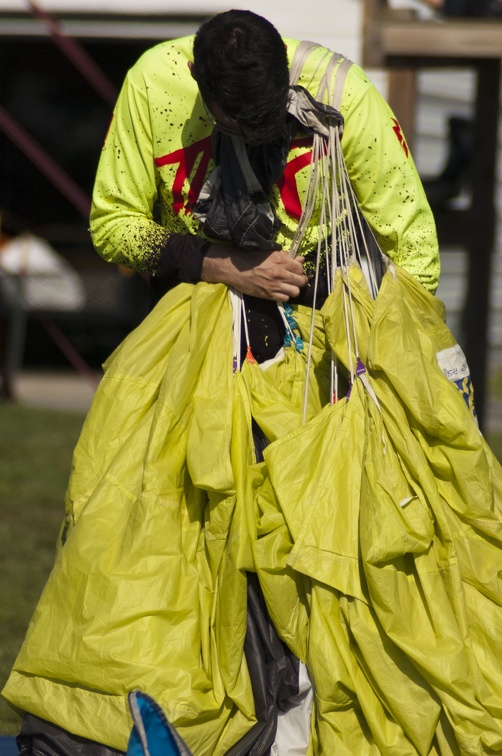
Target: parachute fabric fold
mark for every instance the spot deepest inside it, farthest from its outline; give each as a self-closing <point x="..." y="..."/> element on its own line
<point x="149" y="586"/>
<point x="394" y="515"/>
<point x="146" y="590"/>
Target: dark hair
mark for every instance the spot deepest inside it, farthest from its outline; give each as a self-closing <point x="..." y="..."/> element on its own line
<point x="241" y="65"/>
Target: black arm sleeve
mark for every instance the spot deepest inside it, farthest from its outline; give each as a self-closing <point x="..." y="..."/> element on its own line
<point x="180" y="261"/>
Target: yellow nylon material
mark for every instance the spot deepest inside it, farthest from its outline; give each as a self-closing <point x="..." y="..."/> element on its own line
<point x="398" y="526"/>
<point x="375" y="529"/>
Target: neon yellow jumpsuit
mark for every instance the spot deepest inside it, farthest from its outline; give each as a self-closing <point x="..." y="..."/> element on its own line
<point x="157" y="156"/>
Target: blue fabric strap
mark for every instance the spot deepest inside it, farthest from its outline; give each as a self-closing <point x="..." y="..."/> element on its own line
<point x="152" y="734"/>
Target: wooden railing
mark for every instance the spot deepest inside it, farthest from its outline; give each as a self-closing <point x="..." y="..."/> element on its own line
<point x="402" y="43"/>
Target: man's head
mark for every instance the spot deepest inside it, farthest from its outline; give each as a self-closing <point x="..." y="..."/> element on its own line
<point x="241" y="68"/>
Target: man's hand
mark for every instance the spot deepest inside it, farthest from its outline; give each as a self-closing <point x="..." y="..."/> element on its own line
<point x="268" y="275"/>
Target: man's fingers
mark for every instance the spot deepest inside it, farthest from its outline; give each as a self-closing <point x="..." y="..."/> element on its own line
<point x="281" y="277"/>
<point x="269" y="275"/>
<point x="287" y="269"/>
<point x="298" y="262"/>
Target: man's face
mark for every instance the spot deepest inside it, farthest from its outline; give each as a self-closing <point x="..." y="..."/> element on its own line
<point x="231" y="127"/>
<point x="225" y="124"/>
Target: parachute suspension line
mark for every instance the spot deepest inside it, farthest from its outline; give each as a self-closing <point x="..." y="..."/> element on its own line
<point x="346" y="309"/>
<point x="344" y="247"/>
<point x="351" y="248"/>
<point x="302" y="53"/>
<point x="310" y="200"/>
<point x="333" y="207"/>
<point x="249" y="354"/>
<point x="287" y="323"/>
<point x="360" y="232"/>
<point x="342" y="230"/>
<point x="236" y="302"/>
<point x="318" y="179"/>
<point x="320" y="156"/>
<point x="308" y="210"/>
<point x="327" y="212"/>
<point x="238" y="318"/>
<point x="332" y="256"/>
<point x="350" y="208"/>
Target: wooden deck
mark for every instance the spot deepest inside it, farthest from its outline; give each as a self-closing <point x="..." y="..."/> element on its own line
<point x="403" y="44"/>
<point x="391" y="34"/>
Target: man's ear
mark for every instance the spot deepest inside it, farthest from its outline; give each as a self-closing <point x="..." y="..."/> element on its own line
<point x="191" y="67"/>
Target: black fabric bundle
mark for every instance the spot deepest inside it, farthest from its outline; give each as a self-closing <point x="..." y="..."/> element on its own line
<point x="234" y="203"/>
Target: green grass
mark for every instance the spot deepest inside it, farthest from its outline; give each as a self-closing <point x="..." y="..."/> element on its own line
<point x="495" y="392"/>
<point x="495" y="385"/>
<point x="495" y="442"/>
<point x="35" y="458"/>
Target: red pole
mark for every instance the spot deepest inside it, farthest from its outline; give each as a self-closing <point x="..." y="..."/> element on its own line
<point x="45" y="163"/>
<point x="69" y="351"/>
<point x="76" y="53"/>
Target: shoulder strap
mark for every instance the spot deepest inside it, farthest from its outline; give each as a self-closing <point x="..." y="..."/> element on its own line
<point x="335" y="93"/>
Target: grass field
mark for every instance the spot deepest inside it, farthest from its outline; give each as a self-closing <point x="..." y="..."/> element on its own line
<point x="35" y="458"/>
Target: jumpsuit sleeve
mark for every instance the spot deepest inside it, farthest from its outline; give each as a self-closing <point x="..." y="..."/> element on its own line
<point x="125" y="191"/>
<point x="386" y="182"/>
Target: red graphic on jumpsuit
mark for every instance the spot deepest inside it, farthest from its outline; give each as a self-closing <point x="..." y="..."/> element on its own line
<point x="287" y="186"/>
<point x="186" y="158"/>
<point x="397" y="131"/>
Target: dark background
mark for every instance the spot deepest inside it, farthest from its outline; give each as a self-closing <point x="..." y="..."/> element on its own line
<point x="50" y="99"/>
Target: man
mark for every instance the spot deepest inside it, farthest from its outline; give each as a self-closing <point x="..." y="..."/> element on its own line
<point x="135" y="600"/>
<point x="239" y="80"/>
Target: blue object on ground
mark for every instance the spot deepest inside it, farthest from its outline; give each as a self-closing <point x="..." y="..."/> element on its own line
<point x="8" y="746"/>
<point x="152" y="734"/>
